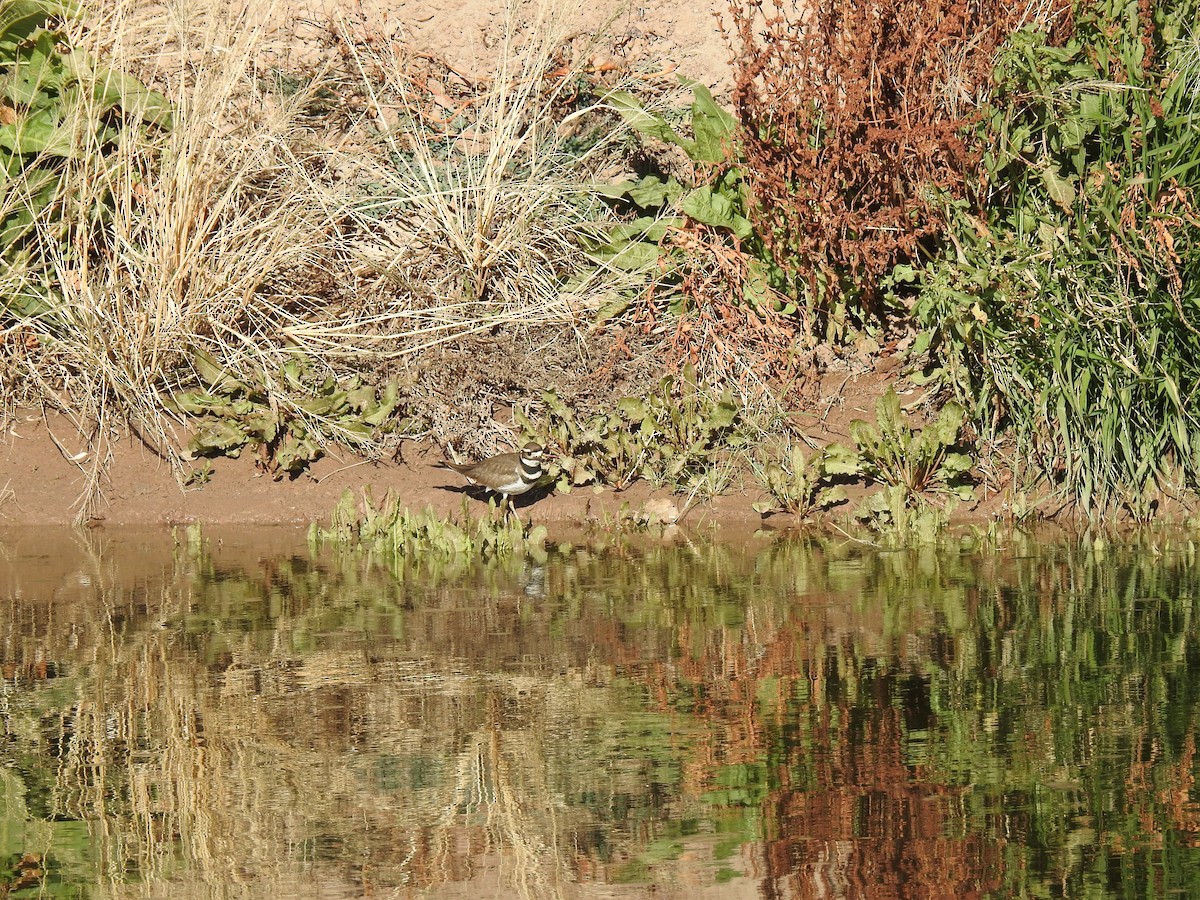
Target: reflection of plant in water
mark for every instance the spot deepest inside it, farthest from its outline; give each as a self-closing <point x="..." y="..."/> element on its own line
<point x="930" y="721"/>
<point x="650" y="707"/>
<point x="201" y="728"/>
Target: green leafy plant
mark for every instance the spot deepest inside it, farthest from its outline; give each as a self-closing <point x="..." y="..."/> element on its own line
<point x="201" y="475"/>
<point x="688" y="225"/>
<point x="396" y="533"/>
<point x="288" y="424"/>
<point x="903" y="518"/>
<point x="802" y="485"/>
<point x="56" y="104"/>
<point x="695" y="232"/>
<point x="673" y="436"/>
<point x="1064" y="307"/>
<point x="896" y="455"/>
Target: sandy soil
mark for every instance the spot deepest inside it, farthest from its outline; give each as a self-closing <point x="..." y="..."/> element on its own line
<point x="647" y="34"/>
<point x="44" y="472"/>
<point x="41" y="485"/>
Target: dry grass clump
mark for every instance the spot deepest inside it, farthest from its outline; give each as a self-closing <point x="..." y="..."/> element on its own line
<point x="423" y="215"/>
<point x="178" y="239"/>
<point x="233" y="233"/>
<point x="479" y="197"/>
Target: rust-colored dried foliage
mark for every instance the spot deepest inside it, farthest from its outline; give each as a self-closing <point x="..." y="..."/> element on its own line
<point x="856" y="123"/>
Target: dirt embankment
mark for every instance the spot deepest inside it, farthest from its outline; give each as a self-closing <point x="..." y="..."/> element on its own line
<point x="47" y="468"/>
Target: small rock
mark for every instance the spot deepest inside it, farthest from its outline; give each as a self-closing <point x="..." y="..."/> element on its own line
<point x="659" y="512"/>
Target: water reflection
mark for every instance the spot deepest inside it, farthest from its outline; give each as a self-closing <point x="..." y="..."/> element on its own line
<point x="244" y="715"/>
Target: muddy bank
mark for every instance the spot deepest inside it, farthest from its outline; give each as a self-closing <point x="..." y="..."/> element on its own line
<point x="40" y="484"/>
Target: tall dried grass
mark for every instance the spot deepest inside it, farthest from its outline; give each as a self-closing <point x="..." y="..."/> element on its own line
<point x="475" y="217"/>
<point x="237" y="233"/>
<point x="181" y="239"/>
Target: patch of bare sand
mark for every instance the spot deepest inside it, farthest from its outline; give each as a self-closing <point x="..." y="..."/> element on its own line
<point x="41" y="485"/>
<point x="464" y="33"/>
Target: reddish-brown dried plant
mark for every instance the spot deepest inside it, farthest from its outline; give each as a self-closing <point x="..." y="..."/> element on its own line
<point x="856" y="124"/>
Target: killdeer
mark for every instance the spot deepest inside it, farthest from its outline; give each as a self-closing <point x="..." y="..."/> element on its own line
<point x="507" y="474"/>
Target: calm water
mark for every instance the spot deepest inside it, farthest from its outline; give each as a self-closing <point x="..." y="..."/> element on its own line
<point x="240" y="716"/>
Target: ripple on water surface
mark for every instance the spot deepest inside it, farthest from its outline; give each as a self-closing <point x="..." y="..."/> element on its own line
<point x="241" y="715"/>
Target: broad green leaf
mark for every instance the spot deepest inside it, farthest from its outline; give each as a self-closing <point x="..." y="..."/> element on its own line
<point x="689" y="380"/>
<point x="19" y="19"/>
<point x="756" y="288"/>
<point x="713" y="127"/>
<point x="293" y="374"/>
<point x="887" y="411"/>
<point x="949" y="422"/>
<point x="114" y="89"/>
<point x="956" y="464"/>
<point x="632" y="409"/>
<point x="644" y="228"/>
<point x="643" y="121"/>
<point x="263" y="425"/>
<point x="194" y="403"/>
<point x="324" y="406"/>
<point x="632" y="257"/>
<point x="1072" y="131"/>
<point x="391" y="393"/>
<point x="1061" y="189"/>
<point x="723" y="416"/>
<point x="876" y="503"/>
<point x="37" y="132"/>
<point x="36" y="73"/>
<point x="649" y="192"/>
<point x="380" y="415"/>
<point x="295" y="454"/>
<point x="863" y="434"/>
<point x="1091" y="107"/>
<point x="921" y="342"/>
<point x="220" y="435"/>
<point x="214" y="375"/>
<point x="831" y="495"/>
<point x="360" y="399"/>
<point x="612" y="309"/>
<point x="715" y="209"/>
<point x="355" y="432"/>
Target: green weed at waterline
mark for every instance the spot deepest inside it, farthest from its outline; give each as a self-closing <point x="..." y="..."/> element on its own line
<point x="915" y="460"/>
<point x="908" y="463"/>
<point x="902" y="518"/>
<point x="802" y="485"/>
<point x="396" y="533"/>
